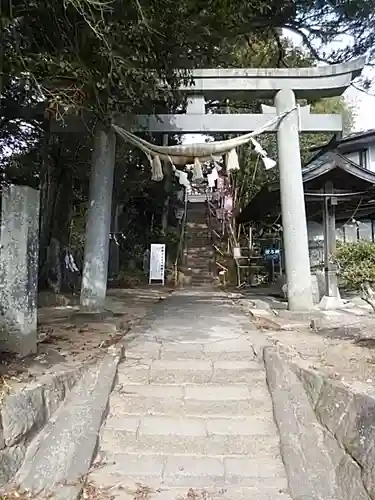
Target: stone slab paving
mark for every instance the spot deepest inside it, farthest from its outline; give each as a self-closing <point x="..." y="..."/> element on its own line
<point x="191" y="416"/>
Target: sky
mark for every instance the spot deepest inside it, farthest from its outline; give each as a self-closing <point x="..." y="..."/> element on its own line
<point x="364" y="102"/>
<point x="364" y="105"/>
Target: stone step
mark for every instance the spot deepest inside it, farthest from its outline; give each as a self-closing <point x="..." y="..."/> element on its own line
<point x="192" y="263"/>
<point x="200" y="276"/>
<point x="162" y="471"/>
<point x="206" y="263"/>
<point x="200" y="255"/>
<point x="192" y="371"/>
<point x="253" y="436"/>
<point x="227" y="349"/>
<point x="190" y="234"/>
<point x="197" y="225"/>
<point x="201" y="281"/>
<point x="196" y="272"/>
<point x="205" y="256"/>
<point x="199" y="269"/>
<point x="198" y="242"/>
<point x="196" y="228"/>
<point x="130" y="490"/>
<point x="167" y="399"/>
<point x="200" y="272"/>
<point x="201" y="230"/>
<point x="199" y="262"/>
<point x="199" y="250"/>
<point x="191" y="225"/>
<point x="202" y="244"/>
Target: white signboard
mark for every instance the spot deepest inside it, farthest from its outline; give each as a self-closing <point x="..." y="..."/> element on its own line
<point x="236" y="252"/>
<point x="157" y="262"/>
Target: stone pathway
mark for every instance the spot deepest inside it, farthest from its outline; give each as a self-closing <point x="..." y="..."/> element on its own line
<point x="191" y="416"/>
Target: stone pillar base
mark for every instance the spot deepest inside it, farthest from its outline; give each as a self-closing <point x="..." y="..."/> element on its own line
<point x="330" y="303"/>
<point x="11" y="340"/>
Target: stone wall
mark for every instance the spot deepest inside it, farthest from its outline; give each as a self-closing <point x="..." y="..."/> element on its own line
<point x="349" y="416"/>
<point x="24" y="413"/>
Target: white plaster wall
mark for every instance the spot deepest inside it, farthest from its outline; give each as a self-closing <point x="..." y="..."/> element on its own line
<point x="371" y="158"/>
<point x="315" y="232"/>
<point x="353" y="156"/>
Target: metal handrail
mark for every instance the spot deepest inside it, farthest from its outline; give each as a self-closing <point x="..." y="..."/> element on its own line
<point x="181" y="241"/>
<point x="213" y="214"/>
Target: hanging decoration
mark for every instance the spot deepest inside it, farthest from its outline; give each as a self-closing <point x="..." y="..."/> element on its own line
<point x="217" y="165"/>
<point x="268" y="162"/>
<point x="197" y="170"/>
<point x="196" y="154"/>
<point x="156" y="169"/>
<point x="212" y="177"/>
<point x="183" y="179"/>
<point x="232" y="161"/>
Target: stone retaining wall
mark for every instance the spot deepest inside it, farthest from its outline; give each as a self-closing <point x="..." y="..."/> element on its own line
<point x="24" y="413"/>
<point x="349" y="416"/>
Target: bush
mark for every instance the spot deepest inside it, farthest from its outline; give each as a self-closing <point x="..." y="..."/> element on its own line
<point x="356" y="263"/>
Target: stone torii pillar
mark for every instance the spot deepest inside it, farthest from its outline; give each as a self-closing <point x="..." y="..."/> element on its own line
<point x="98" y="226"/>
<point x="296" y="248"/>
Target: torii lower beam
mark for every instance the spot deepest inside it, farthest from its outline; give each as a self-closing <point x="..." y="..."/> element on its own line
<point x="234" y="124"/>
<point x="199" y="123"/>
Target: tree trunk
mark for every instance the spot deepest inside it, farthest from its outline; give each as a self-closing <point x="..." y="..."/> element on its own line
<point x="55" y="215"/>
<point x="368" y="294"/>
<point x="50" y="179"/>
<point x="63" y="207"/>
<point x="167" y="187"/>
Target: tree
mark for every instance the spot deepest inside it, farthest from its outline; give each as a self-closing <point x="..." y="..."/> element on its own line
<point x="111" y="56"/>
<point x="356" y="264"/>
<point x="334" y="105"/>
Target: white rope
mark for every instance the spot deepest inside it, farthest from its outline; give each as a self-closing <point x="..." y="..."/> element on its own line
<point x="187" y="153"/>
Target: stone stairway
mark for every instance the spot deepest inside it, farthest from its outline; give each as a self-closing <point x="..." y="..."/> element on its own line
<point x="191" y="416"/>
<point x="198" y="249"/>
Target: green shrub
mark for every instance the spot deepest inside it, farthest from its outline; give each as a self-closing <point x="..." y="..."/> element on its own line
<point x="356" y="263"/>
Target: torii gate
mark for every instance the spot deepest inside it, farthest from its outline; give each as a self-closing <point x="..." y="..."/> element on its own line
<point x="282" y="85"/>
